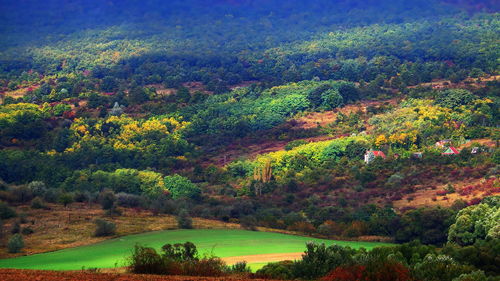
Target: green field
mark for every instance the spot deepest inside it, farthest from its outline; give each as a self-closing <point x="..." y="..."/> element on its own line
<point x="222" y="243"/>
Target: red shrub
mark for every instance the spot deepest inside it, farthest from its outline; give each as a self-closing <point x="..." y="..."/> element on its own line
<point x="346" y="273"/>
<point x="441" y="192"/>
<point x="474" y="201"/>
<point x="386" y="271"/>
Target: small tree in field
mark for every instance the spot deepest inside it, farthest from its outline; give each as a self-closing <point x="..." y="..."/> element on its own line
<point x="104" y="228"/>
<point x="184" y="220"/>
<point x="15" y="244"/>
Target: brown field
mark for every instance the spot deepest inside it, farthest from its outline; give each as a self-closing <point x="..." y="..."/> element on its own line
<point x="39" y="275"/>
<point x="19" y="93"/>
<point x="428" y="197"/>
<point x="467" y="83"/>
<point x="323" y="119"/>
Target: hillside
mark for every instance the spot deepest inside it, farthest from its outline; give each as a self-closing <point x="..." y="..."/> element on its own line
<point x="347" y="120"/>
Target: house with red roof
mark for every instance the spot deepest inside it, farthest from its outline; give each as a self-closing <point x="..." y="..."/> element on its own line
<point x="370" y="155"/>
<point x="451" y="151"/>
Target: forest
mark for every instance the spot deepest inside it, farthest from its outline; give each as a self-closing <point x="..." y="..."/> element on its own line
<point x="349" y="120"/>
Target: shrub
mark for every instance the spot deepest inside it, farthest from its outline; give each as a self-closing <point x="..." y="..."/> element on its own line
<point x="37" y="203"/>
<point x="22" y="194"/>
<point x="128" y="200"/>
<point x="180" y="252"/>
<point x="177" y="259"/>
<point x="278" y="270"/>
<point x="38" y="188"/>
<point x="184" y="220"/>
<point x="291" y="145"/>
<point x="81" y="196"/>
<point x="51" y="195"/>
<point x="104" y="228"/>
<point x="27" y="231"/>
<point x="16" y="228"/>
<point x="146" y="260"/>
<point x="249" y="222"/>
<point x="15" y="244"/>
<point x="318" y="260"/>
<point x="6" y="212"/>
<point x="239" y="267"/>
<point x="439" y="268"/>
<point x="107" y="199"/>
<point x="211" y="266"/>
<point x="113" y="211"/>
<point x="474" y="276"/>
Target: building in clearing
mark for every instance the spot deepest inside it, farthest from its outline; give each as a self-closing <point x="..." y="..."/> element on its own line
<point x="370" y="155"/>
<point x="450" y="151"/>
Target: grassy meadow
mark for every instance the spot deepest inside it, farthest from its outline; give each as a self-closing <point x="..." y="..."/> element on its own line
<point x="219" y="242"/>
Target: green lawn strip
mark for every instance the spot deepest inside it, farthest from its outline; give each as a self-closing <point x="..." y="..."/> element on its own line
<point x="220" y="242"/>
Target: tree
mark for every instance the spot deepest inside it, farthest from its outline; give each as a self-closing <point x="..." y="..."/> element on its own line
<point x="184" y="221"/>
<point x="428" y="225"/>
<point x="138" y="95"/>
<point x="181" y="187"/>
<point x="15" y="243"/>
<point x="65" y="199"/>
<point x="107" y="199"/>
<point x="183" y="94"/>
<point x="453" y="98"/>
<point x="475" y="223"/>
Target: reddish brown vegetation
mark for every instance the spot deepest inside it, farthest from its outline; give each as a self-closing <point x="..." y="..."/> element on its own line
<point x="387" y="271"/>
<point x="23" y="275"/>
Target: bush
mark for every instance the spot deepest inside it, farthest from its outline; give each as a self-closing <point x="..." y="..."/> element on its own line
<point x="52" y="195"/>
<point x="38" y="188"/>
<point x="291" y="145"/>
<point x="249" y="223"/>
<point x="107" y="199"/>
<point x="81" y="196"/>
<point x="6" y="212"/>
<point x="113" y="211"/>
<point x="128" y="200"/>
<point x="439" y="268"/>
<point x="177" y="259"/>
<point x="239" y="267"/>
<point x="27" y="231"/>
<point x="318" y="260"/>
<point x="22" y="194"/>
<point x="180" y="252"/>
<point x="146" y="260"/>
<point x="211" y="266"/>
<point x="15" y="244"/>
<point x="278" y="270"/>
<point x="104" y="228"/>
<point x="37" y="203"/>
<point x="16" y="228"/>
<point x="184" y="221"/>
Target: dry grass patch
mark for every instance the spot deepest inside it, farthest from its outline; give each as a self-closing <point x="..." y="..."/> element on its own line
<point x="60" y="227"/>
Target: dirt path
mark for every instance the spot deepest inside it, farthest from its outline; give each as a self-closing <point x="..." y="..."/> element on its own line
<point x="264" y="258"/>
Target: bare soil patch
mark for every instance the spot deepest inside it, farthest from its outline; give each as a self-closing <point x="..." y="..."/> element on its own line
<point x="41" y="275"/>
<point x="431" y="197"/>
<point x="264" y="258"/>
